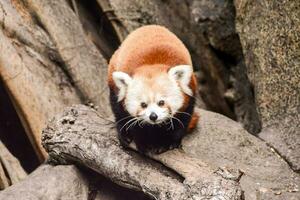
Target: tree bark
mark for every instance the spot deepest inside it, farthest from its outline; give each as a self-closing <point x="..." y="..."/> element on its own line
<point x="208" y="158"/>
<point x="27" y="60"/>
<point x="83" y="136"/>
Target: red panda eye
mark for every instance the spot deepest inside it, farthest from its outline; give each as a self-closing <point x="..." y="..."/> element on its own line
<point x="161" y="103"/>
<point x="144" y="105"/>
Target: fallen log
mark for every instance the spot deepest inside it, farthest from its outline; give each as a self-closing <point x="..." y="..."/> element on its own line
<point x="204" y="167"/>
<point x="81" y="135"/>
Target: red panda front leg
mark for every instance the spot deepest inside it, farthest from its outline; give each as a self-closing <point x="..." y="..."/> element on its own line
<point x="177" y="137"/>
<point x="124" y="137"/>
<point x="121" y="117"/>
<point x="173" y="143"/>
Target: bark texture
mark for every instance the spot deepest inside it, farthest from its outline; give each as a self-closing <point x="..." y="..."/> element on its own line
<point x="52" y="58"/>
<point x="270" y="32"/>
<point x="83" y="136"/>
<point x="236" y="159"/>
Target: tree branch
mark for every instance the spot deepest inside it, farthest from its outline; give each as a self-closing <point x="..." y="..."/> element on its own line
<point x="83" y="136"/>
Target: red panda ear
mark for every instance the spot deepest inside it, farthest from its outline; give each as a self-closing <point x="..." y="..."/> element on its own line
<point x="182" y="74"/>
<point x="122" y="80"/>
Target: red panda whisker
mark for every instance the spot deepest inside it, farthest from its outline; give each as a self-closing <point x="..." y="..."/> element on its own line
<point x="178" y="121"/>
<point x="137" y="122"/>
<point x="164" y="122"/>
<point x="184" y="113"/>
<point x="122" y="119"/>
<point x="159" y="124"/>
<point x="140" y="122"/>
<point x="143" y="122"/>
<point x="132" y="124"/>
<point x="171" y="123"/>
<point x="127" y="123"/>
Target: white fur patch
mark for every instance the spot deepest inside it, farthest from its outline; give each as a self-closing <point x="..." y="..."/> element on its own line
<point x="122" y="81"/>
<point x="160" y="88"/>
<point x="182" y="74"/>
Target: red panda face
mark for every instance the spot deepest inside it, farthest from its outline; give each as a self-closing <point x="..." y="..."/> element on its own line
<point x="154" y="99"/>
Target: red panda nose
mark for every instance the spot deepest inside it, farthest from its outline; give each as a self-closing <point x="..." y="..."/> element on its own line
<point x="153" y="116"/>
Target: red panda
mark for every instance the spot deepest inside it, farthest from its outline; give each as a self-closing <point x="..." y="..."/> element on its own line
<point x="152" y="89"/>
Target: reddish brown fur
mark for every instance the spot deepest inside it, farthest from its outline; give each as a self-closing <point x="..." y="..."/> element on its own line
<point x="148" y="51"/>
<point x="193" y="123"/>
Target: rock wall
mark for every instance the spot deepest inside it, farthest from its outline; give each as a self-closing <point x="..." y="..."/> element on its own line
<point x="270" y="36"/>
<point x="213" y="20"/>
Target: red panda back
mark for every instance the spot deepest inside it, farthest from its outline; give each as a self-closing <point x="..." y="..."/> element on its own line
<point x="150" y="45"/>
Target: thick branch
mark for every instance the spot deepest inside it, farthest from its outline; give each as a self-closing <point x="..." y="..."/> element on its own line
<point x="36" y="85"/>
<point x="81" y="135"/>
<point x="83" y="62"/>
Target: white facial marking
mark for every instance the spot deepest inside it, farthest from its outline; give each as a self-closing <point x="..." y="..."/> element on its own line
<point x="151" y="92"/>
<point x="122" y="81"/>
<point x="182" y="74"/>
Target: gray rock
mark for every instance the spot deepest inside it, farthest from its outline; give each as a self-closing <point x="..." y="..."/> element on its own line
<point x="269" y="33"/>
<point x="214" y="22"/>
<point x="49" y="182"/>
<point x="67" y="182"/>
<point x="215" y="19"/>
<point x="223" y="142"/>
